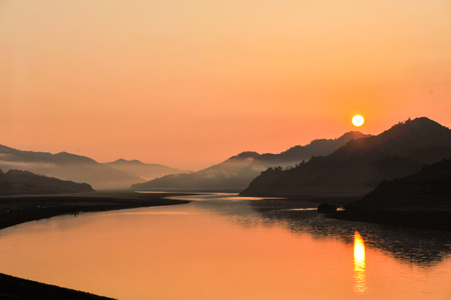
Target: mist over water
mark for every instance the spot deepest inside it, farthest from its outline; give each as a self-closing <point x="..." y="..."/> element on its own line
<point x="225" y="247"/>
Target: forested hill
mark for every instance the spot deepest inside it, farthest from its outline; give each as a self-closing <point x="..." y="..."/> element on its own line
<point x="361" y="164"/>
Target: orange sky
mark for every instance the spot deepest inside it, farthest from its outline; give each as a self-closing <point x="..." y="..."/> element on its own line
<point x="188" y="83"/>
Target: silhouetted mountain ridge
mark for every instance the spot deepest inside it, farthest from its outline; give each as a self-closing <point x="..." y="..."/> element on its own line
<point x="235" y="173"/>
<point x="358" y="166"/>
<point x="245" y="155"/>
<point x="318" y="147"/>
<point x="415" y="139"/>
<point x="124" y="161"/>
<point x="143" y="170"/>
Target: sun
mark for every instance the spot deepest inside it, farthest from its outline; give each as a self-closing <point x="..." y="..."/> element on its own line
<point x="358" y="120"/>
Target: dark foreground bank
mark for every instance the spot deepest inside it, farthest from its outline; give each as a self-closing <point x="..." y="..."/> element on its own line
<point x="19" y="209"/>
<point x="21" y="289"/>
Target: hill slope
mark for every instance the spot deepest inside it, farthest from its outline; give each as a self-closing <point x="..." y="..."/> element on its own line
<point x="428" y="189"/>
<point x="15" y="182"/>
<point x="357" y="167"/>
<point x="420" y="200"/>
<point x="237" y="172"/>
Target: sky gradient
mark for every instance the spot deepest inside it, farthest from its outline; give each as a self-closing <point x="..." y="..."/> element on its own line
<point x="191" y="83"/>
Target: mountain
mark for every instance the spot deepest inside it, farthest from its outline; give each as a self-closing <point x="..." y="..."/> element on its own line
<point x="6" y="187"/>
<point x="232" y="174"/>
<point x="237" y="172"/>
<point x="317" y="147"/>
<point x="420" y="139"/>
<point x="357" y="167"/>
<point x="15" y="182"/>
<point x="143" y="170"/>
<point x="419" y="200"/>
<point x="66" y="166"/>
<point x="430" y="188"/>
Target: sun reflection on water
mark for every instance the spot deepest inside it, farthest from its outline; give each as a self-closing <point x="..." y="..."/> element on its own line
<point x="359" y="264"/>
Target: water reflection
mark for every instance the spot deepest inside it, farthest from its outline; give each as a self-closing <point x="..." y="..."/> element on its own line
<point x="359" y="264"/>
<point x="222" y="249"/>
<point x="425" y="248"/>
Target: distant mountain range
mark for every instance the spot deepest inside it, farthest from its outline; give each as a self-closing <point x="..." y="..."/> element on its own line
<point x="361" y="164"/>
<point x="143" y="170"/>
<point x="237" y="172"/>
<point x="77" y="168"/>
<point x="232" y="174"/>
<point x="15" y="182"/>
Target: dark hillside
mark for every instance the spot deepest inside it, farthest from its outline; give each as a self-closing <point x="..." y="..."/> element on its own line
<point x="421" y="200"/>
<point x="430" y="188"/>
<point x="357" y="167"/>
<point x="420" y="139"/>
<point x="16" y="182"/>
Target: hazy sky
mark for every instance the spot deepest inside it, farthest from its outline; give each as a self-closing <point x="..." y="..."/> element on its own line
<point x="189" y="83"/>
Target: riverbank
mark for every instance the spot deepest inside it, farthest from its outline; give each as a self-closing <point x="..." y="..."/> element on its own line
<point x="15" y="210"/>
<point x="19" y="209"/>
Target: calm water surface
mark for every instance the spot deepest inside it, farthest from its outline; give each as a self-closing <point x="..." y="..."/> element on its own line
<point x="225" y="247"/>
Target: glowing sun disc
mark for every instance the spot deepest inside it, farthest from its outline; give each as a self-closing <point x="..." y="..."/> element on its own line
<point x="358" y="120"/>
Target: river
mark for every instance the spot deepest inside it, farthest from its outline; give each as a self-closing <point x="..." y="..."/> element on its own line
<point x="222" y="246"/>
